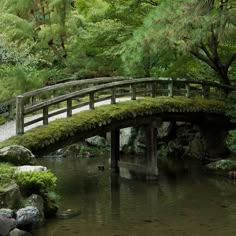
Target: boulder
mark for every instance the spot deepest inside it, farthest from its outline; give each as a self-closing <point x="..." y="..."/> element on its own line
<point x="8" y="213"/>
<point x="11" y="197"/>
<point x="17" y="155"/>
<point x="29" y="168"/>
<point x="125" y="137"/>
<point x="97" y="141"/>
<point x="36" y="201"/>
<point x="6" y="225"/>
<point x="222" y="166"/>
<point x="28" y="217"/>
<point x="18" y="232"/>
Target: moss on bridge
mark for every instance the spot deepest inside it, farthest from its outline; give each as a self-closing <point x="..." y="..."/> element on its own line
<point x="61" y="129"/>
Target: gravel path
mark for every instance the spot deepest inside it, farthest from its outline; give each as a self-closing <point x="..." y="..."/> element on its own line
<point x="9" y="129"/>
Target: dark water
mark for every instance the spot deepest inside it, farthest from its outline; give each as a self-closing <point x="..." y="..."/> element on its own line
<point x="190" y="204"/>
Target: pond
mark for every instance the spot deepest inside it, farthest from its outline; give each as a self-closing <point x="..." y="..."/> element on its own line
<point x="189" y="204"/>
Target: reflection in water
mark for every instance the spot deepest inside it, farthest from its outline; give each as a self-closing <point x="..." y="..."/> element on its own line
<point x="110" y="206"/>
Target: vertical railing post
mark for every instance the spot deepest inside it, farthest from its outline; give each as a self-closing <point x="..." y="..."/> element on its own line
<point x="91" y="101"/>
<point x="205" y="91"/>
<point x="133" y="91"/>
<point x="69" y="107"/>
<point x="170" y="89"/>
<point x="113" y="96"/>
<point x="11" y="111"/>
<point x="153" y="90"/>
<point x="19" y="115"/>
<point x="45" y="115"/>
<point x="187" y="87"/>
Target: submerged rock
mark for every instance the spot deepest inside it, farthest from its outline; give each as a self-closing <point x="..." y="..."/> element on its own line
<point x="17" y="155"/>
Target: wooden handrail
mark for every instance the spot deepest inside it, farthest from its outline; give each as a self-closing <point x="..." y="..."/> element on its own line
<point x="111" y="84"/>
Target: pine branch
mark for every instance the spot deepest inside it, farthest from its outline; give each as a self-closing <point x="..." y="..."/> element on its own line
<point x="204" y="59"/>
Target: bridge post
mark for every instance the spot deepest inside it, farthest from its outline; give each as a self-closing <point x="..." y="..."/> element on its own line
<point x="91" y="101"/>
<point x="187" y="87"/>
<point x="69" y="107"/>
<point x="45" y="115"/>
<point x="115" y="150"/>
<point x="151" y="152"/>
<point x="113" y="96"/>
<point x="19" y="115"/>
<point x="133" y="92"/>
<point x="170" y="89"/>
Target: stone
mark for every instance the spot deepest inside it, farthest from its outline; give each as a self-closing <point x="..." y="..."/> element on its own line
<point x="222" y="166"/>
<point x="17" y="155"/>
<point x="8" y="213"/>
<point x="18" y="232"/>
<point x="28" y="216"/>
<point x="11" y="197"/>
<point x="28" y="168"/>
<point x="97" y="141"/>
<point x="6" y="225"/>
<point x="125" y="135"/>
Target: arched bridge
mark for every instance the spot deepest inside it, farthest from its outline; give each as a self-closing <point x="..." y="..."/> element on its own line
<point x="153" y="100"/>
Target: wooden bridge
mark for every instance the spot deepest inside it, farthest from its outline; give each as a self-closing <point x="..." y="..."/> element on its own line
<point x="65" y="98"/>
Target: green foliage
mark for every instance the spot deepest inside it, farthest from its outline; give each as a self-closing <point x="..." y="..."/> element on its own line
<point x="3" y="120"/>
<point x="185" y="28"/>
<point x="38" y="182"/>
<point x="6" y="176"/>
<point x="231" y="141"/>
<point x="61" y="129"/>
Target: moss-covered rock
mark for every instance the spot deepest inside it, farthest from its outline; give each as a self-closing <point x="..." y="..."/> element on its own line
<point x="222" y="166"/>
<point x="17" y="155"/>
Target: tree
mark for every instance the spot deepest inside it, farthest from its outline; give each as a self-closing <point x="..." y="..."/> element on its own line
<point x="204" y="29"/>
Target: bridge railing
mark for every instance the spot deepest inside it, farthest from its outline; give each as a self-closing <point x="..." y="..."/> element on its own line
<point x="107" y="88"/>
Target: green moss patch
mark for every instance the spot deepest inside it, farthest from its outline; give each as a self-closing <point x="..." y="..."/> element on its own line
<point x="6" y="175"/>
<point x="44" y="136"/>
<point x="3" y="120"/>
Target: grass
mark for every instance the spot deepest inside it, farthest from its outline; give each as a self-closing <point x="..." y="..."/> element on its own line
<point x="61" y="129"/>
<point x="3" y="120"/>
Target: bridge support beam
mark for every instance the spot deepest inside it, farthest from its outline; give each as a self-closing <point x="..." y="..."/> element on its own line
<point x="151" y="152"/>
<point x="115" y="150"/>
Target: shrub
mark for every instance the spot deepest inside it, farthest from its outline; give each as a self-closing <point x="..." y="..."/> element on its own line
<point x="6" y="174"/>
<point x="39" y="182"/>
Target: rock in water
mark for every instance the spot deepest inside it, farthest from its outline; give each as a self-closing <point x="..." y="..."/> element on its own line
<point x="18" y="232"/>
<point x="6" y="225"/>
<point x="28" y="216"/>
<point x="17" y="155"/>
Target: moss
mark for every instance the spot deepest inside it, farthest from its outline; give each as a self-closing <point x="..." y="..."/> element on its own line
<point x="61" y="129"/>
<point x="37" y="182"/>
<point x="6" y="175"/>
<point x="3" y="120"/>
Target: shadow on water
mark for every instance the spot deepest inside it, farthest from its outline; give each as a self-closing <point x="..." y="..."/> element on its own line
<point x="188" y="204"/>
